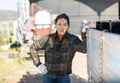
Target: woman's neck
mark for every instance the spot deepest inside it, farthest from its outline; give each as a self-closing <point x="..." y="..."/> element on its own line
<point x="60" y="36"/>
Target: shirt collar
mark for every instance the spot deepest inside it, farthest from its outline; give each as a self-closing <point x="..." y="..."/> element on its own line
<point x="65" y="36"/>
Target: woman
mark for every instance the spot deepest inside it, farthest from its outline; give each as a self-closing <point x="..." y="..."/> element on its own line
<point x="60" y="48"/>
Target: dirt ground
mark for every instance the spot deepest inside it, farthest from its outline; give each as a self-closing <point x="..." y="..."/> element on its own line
<point x="31" y="74"/>
<point x="79" y="68"/>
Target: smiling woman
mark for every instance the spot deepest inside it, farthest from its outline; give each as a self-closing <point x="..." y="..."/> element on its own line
<point x="8" y="5"/>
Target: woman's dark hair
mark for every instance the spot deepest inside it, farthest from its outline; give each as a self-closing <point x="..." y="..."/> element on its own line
<point x="63" y="15"/>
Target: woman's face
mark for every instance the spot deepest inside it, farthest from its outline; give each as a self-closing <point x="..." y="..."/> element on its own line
<point x="62" y="26"/>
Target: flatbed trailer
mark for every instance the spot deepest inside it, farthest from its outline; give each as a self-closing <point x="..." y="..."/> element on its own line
<point x="103" y="53"/>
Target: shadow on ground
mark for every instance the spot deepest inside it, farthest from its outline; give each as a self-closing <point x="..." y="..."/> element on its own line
<point x="77" y="79"/>
<point x="31" y="78"/>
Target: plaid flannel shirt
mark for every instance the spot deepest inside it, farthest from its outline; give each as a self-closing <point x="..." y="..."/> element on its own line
<point x="58" y="54"/>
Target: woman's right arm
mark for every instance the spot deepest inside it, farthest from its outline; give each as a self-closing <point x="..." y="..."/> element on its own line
<point x="35" y="47"/>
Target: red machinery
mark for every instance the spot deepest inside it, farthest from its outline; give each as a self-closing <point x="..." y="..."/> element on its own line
<point x="40" y="24"/>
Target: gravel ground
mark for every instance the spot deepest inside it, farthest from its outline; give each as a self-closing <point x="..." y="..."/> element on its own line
<point x="31" y="75"/>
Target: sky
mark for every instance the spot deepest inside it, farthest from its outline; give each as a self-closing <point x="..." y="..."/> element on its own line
<point x="8" y="5"/>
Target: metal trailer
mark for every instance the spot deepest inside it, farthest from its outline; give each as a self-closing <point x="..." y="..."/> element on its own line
<point x="103" y="52"/>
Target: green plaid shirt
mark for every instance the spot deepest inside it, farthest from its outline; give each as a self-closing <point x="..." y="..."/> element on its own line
<point x="58" y="54"/>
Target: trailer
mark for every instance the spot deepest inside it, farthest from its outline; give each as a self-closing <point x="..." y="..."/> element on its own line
<point x="103" y="52"/>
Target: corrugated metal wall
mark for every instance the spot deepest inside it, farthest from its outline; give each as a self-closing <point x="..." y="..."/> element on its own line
<point x="103" y="52"/>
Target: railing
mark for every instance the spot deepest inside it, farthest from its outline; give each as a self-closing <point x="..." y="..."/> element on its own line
<point x="6" y="28"/>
